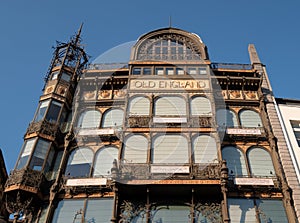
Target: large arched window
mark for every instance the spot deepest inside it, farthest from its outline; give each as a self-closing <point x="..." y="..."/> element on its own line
<point x="250" y="118"/>
<point x="135" y="149"/>
<point x="89" y="119"/>
<point x="205" y="149"/>
<point x="226" y="118"/>
<point x="260" y="162"/>
<point x="235" y="161"/>
<point x="170" y="105"/>
<point x="170" y="148"/>
<point x="139" y="106"/>
<point x="80" y="162"/>
<point x="112" y="118"/>
<point x="104" y="161"/>
<point x="200" y="106"/>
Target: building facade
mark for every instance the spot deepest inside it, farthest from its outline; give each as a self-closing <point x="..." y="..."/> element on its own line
<point x="168" y="136"/>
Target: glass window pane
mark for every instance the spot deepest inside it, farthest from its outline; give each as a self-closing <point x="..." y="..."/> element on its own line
<point x="54" y="75"/>
<point x="66" y="77"/>
<point x="171" y="214"/>
<point x="226" y="118"/>
<point x="241" y="210"/>
<point x="170" y="71"/>
<point x="27" y="150"/>
<point x="139" y="106"/>
<point x="52" y="174"/>
<point x="99" y="210"/>
<point x="200" y="106"/>
<point x="179" y="71"/>
<point x="135" y="149"/>
<point x="69" y="210"/>
<point x="170" y="149"/>
<point x="159" y="71"/>
<point x="79" y="163"/>
<point x="202" y="70"/>
<point x="113" y="118"/>
<point x="53" y="111"/>
<point x="104" y="161"/>
<point x="205" y="149"/>
<point x="260" y="162"/>
<point x="271" y="211"/>
<point x="235" y="161"/>
<point x="136" y="70"/>
<point x="41" y="111"/>
<point x="147" y="71"/>
<point x="169" y="105"/>
<point x="250" y="119"/>
<point x="39" y="155"/>
<point x="192" y="71"/>
<point x="89" y="119"/>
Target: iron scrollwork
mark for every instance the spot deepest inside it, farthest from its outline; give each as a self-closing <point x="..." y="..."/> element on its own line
<point x="138" y="121"/>
<point x="211" y="211"/>
<point x="43" y="127"/>
<point x="131" y="211"/>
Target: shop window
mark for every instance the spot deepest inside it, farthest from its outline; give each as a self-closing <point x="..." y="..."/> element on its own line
<point x="170" y="105"/>
<point x="113" y="118"/>
<point x="235" y="161"/>
<point x="205" y="149"/>
<point x="135" y="149"/>
<point x="89" y="119"/>
<point x="249" y="118"/>
<point x="172" y="214"/>
<point x="260" y="162"/>
<point x="104" y="161"/>
<point x="200" y="106"/>
<point x="170" y="148"/>
<point x="139" y="106"/>
<point x="80" y="162"/>
<point x="226" y="118"/>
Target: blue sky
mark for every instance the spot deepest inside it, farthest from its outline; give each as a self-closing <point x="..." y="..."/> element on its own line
<point x="30" y="28"/>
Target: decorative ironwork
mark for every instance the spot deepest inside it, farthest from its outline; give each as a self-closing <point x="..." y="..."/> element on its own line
<point x="131" y="211"/>
<point x="21" y="203"/>
<point x="26" y="177"/>
<point x="43" y="127"/>
<point x="204" y="122"/>
<point x="207" y="171"/>
<point x="138" y="121"/>
<point x="211" y="211"/>
<point x="134" y="171"/>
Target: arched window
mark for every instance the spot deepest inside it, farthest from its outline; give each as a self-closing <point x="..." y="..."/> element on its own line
<point x="249" y="118"/>
<point x="139" y="106"/>
<point x="170" y="105"/>
<point x="135" y="149"/>
<point x="112" y="118"/>
<point x="260" y="162"/>
<point x="200" y="106"/>
<point x="89" y="119"/>
<point x="226" y="118"/>
<point x="170" y="148"/>
<point x="205" y="149"/>
<point x="235" y="161"/>
<point x="80" y="162"/>
<point x="104" y="161"/>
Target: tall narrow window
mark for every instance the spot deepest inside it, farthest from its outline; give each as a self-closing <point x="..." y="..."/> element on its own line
<point x="249" y="118"/>
<point x="53" y="111"/>
<point x="235" y="161"/>
<point x="26" y="152"/>
<point x="139" y="106"/>
<point x="170" y="148"/>
<point x="112" y="118"/>
<point x="205" y="149"/>
<point x="260" y="162"/>
<point x="226" y="118"/>
<point x="296" y="129"/>
<point x="170" y="105"/>
<point x="80" y="162"/>
<point x="41" y="110"/>
<point x="39" y="155"/>
<point x="89" y="119"/>
<point x="200" y="106"/>
<point x="135" y="149"/>
<point x="104" y="160"/>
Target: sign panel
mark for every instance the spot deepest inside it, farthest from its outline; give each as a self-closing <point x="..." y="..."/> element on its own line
<point x="235" y="131"/>
<point x="170" y="169"/>
<point x="170" y="120"/>
<point x="180" y="182"/>
<point x="85" y="132"/>
<point x="86" y="182"/>
<point x="254" y="181"/>
<point x="169" y="84"/>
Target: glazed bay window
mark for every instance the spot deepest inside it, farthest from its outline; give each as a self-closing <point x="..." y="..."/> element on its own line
<point x="40" y="153"/>
<point x="26" y="152"/>
<point x="48" y="110"/>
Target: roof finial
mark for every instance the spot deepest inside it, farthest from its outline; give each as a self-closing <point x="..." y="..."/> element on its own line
<point x="170" y="21"/>
<point x="77" y="39"/>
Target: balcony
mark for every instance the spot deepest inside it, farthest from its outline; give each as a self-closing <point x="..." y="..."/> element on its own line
<point x="43" y="127"/>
